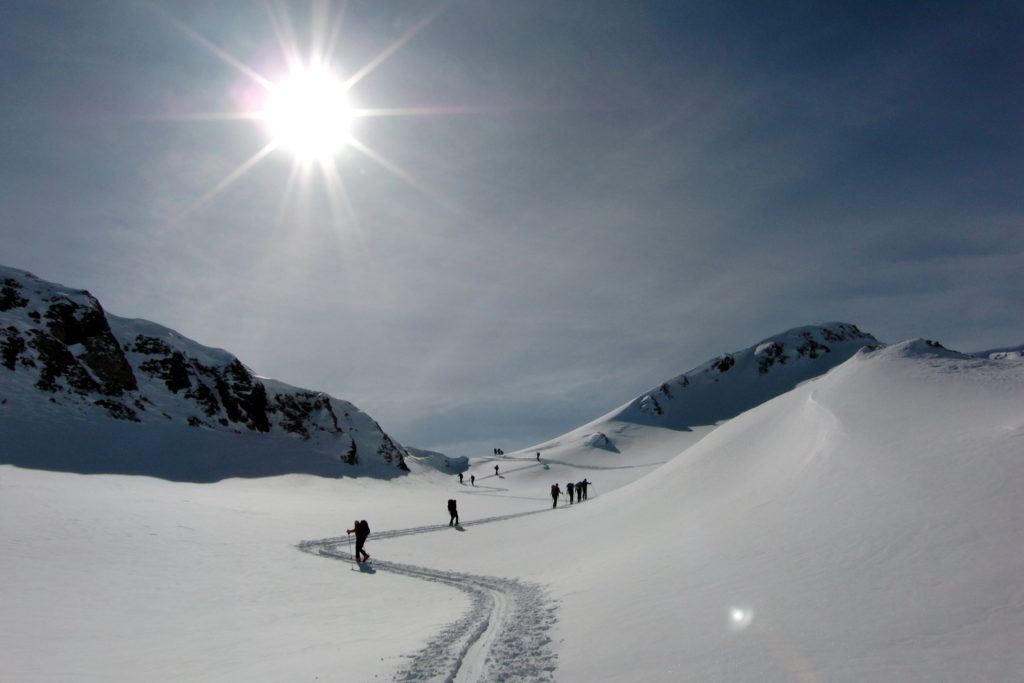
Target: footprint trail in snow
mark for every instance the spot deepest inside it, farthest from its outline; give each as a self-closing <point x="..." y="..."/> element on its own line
<point x="503" y="637"/>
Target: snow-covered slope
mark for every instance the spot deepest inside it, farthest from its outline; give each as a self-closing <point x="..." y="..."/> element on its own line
<point x="421" y="461"/>
<point x="865" y="526"/>
<point x="93" y="392"/>
<point x="1008" y="352"/>
<point x="658" y="424"/>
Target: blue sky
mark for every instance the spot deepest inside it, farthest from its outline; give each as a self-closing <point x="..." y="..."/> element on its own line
<point x="573" y="201"/>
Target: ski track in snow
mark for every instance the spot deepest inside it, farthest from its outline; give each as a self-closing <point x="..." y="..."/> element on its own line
<point x="503" y="637"/>
<point x="541" y="463"/>
<point x="505" y="634"/>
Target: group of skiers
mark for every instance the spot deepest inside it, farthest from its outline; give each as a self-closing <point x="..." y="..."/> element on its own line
<point x="578" y="489"/>
<point x="362" y="530"/>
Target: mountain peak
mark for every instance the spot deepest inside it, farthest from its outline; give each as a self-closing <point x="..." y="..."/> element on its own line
<point x="62" y="354"/>
<point x="734" y="382"/>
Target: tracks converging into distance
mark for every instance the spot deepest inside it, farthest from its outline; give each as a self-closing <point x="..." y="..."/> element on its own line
<point x="505" y="635"/>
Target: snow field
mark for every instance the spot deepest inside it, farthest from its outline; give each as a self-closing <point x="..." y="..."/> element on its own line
<point x="110" y="578"/>
<point x="866" y="526"/>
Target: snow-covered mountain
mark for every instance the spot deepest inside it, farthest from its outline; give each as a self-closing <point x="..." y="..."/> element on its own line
<point x="1007" y="352"/>
<point x="420" y="460"/>
<point x="73" y="374"/>
<point x="864" y="526"/>
<point x="733" y="383"/>
<point x="70" y="371"/>
<point x="680" y="411"/>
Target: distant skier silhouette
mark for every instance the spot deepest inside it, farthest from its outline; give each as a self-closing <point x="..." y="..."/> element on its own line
<point x="584" y="484"/>
<point x="568" y="490"/>
<point x="495" y="470"/>
<point x="472" y="479"/>
<point x="453" y="512"/>
<point x="460" y="477"/>
<point x="361" y="529"/>
<point x="555" y="493"/>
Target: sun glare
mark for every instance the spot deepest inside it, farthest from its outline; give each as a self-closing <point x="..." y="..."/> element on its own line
<point x="309" y="114"/>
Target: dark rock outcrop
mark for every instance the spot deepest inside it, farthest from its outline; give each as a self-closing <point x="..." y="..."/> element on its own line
<point x="61" y="344"/>
<point x="732" y="383"/>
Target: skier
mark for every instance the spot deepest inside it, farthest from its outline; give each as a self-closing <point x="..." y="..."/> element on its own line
<point x="555" y="493"/>
<point x="460" y="477"/>
<point x="584" y="484"/>
<point x="495" y="470"/>
<point x="472" y="479"/>
<point x="361" y="529"/>
<point x="568" y="490"/>
<point x="453" y="512"/>
<point x="538" y="456"/>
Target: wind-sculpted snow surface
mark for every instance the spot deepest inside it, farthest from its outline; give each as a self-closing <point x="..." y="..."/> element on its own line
<point x="503" y="637"/>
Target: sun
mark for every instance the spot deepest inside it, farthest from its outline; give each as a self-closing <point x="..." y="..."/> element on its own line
<point x="309" y="113"/>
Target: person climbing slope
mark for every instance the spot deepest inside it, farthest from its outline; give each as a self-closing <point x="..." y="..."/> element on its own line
<point x="361" y="529"/>
<point x="453" y="513"/>
<point x="555" y="493"/>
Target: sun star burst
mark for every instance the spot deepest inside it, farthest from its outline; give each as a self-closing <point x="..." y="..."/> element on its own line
<point x="310" y="114"/>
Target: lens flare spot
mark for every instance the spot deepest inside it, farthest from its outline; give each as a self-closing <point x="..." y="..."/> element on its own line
<point x="740" y="617"/>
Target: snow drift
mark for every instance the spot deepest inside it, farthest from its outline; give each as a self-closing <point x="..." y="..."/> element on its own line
<point x="865" y="526"/>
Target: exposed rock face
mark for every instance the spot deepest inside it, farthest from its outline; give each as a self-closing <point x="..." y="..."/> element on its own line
<point x="58" y="345"/>
<point x="65" y="337"/>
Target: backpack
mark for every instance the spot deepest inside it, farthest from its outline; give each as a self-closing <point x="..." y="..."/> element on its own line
<point x="364" y="527"/>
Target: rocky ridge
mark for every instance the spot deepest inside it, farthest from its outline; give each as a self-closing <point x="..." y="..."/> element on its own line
<point x="732" y="383"/>
<point x="59" y="347"/>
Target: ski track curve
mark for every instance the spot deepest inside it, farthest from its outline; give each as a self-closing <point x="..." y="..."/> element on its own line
<point x="542" y="463"/>
<point x="505" y="635"/>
